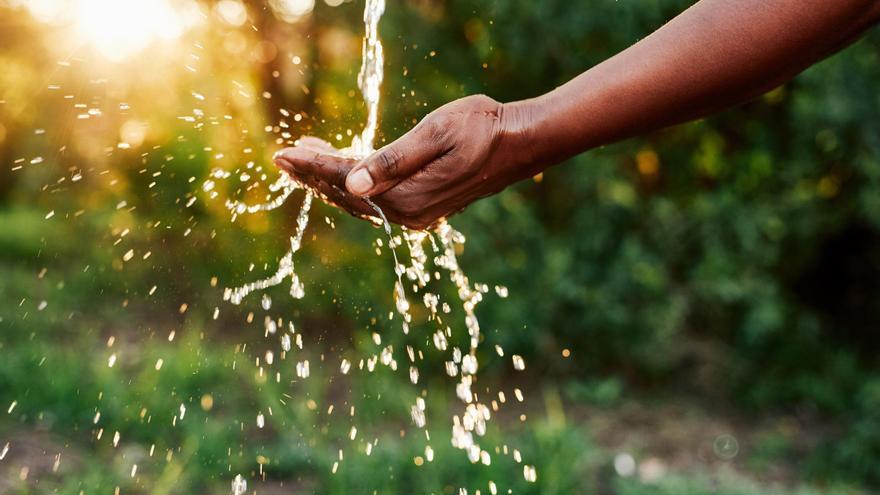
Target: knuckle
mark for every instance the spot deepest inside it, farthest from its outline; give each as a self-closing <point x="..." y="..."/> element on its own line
<point x="435" y="128"/>
<point x="387" y="162"/>
<point x="481" y="100"/>
<point x="438" y="123"/>
<point x="338" y="176"/>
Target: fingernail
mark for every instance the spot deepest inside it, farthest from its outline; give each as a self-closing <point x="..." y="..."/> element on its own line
<point x="359" y="183"/>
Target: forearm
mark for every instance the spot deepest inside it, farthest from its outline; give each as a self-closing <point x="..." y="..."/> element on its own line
<point x="716" y="54"/>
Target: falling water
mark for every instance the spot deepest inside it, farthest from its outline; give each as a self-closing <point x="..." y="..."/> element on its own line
<point x="444" y="242"/>
<point x="370" y="77"/>
<point x="239" y="485"/>
<point x="370" y="82"/>
<point x="285" y="266"/>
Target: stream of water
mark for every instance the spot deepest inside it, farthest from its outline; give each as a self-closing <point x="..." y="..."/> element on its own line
<point x="442" y="243"/>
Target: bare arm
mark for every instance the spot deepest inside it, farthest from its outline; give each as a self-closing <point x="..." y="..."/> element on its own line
<point x="716" y="54"/>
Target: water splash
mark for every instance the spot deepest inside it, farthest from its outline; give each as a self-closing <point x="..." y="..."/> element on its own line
<point x="285" y="266"/>
<point x="444" y="243"/>
<point x="239" y="485"/>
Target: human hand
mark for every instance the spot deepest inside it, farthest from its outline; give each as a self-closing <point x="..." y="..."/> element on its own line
<point x="463" y="151"/>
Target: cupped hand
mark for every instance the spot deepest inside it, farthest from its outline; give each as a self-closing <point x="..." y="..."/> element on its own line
<point x="461" y="152"/>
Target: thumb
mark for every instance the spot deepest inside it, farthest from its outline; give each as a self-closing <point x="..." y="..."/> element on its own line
<point x="393" y="163"/>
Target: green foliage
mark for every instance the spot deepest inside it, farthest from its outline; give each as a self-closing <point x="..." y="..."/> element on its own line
<point x="733" y="260"/>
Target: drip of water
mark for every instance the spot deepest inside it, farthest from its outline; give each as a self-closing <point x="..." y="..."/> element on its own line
<point x="445" y="242"/>
<point x="284" y="184"/>
<point x="285" y="266"/>
<point x="369" y="81"/>
<point x="239" y="485"/>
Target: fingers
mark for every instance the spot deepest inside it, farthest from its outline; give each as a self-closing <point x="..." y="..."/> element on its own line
<point x="337" y="196"/>
<point x="313" y="160"/>
<point x="385" y="168"/>
<point x="317" y="164"/>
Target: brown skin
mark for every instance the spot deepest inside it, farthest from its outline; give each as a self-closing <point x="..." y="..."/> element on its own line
<point x="716" y="54"/>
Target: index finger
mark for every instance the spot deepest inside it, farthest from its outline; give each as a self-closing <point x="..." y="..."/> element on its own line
<point x="338" y="197"/>
<point x="316" y="163"/>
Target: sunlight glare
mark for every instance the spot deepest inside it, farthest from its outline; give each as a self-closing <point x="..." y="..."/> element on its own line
<point x="117" y="29"/>
<point x="232" y="11"/>
<point x="292" y="10"/>
<point x="44" y="10"/>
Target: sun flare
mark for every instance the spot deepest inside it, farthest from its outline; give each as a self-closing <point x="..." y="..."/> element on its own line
<point x="118" y="29"/>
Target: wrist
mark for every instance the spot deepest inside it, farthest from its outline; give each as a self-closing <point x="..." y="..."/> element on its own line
<point x="519" y="139"/>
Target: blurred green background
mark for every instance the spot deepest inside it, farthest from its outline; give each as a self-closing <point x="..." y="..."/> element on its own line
<point x="698" y="308"/>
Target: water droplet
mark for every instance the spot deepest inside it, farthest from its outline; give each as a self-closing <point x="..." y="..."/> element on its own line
<point x="530" y="474"/>
<point x="239" y="485"/>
